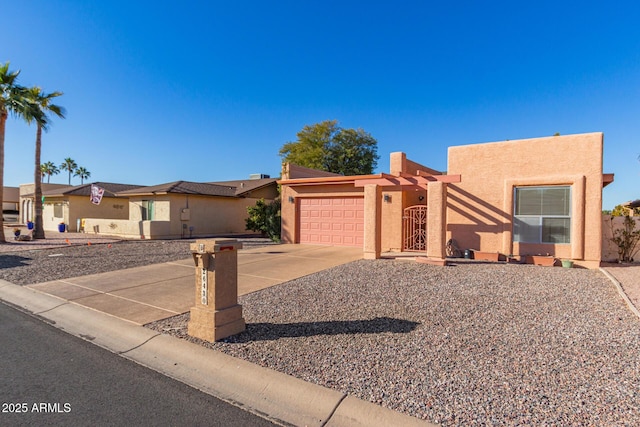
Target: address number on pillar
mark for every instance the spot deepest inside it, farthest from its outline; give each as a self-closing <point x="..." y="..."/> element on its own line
<point x="204" y="287"/>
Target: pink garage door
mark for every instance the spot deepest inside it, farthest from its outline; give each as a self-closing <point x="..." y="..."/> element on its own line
<point x="332" y="221"/>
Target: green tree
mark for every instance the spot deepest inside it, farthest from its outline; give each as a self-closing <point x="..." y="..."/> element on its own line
<point x="12" y="101"/>
<point x="265" y="217"/>
<point x="69" y="165"/>
<point x="352" y="152"/>
<point x="620" y="210"/>
<point x="328" y="147"/>
<point x="49" y="169"/>
<point x="39" y="107"/>
<point x="82" y="173"/>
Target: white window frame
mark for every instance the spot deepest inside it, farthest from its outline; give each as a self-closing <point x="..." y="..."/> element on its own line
<point x="538" y="220"/>
<point x="147" y="210"/>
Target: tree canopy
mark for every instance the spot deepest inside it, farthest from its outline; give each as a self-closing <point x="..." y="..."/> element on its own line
<point x="328" y="147"/>
<point x="40" y="106"/>
<point x="13" y="100"/>
<point x="70" y="166"/>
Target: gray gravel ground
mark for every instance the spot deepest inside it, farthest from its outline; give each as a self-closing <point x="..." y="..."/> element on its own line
<point x="27" y="267"/>
<point x="472" y="344"/>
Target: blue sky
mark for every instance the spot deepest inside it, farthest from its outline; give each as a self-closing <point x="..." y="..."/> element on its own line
<point x="159" y="91"/>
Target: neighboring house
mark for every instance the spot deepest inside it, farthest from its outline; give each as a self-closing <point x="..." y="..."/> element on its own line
<point x="184" y="209"/>
<point x="71" y="204"/>
<point x="524" y="197"/>
<point x="27" y="207"/>
<point x="10" y="204"/>
<point x="632" y="206"/>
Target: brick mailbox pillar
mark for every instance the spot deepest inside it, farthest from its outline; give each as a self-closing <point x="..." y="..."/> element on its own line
<point x="217" y="314"/>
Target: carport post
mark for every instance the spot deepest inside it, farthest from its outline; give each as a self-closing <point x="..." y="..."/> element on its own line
<point x="216" y="314"/>
<point x="436" y="219"/>
<point x="372" y="221"/>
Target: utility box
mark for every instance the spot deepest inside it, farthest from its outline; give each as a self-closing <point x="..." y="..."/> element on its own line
<point x="216" y="314"/>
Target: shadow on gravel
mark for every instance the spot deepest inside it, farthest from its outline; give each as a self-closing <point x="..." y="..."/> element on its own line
<point x="273" y="331"/>
<point x="10" y="261"/>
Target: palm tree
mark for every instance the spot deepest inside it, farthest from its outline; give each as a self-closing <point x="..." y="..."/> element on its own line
<point x="69" y="165"/>
<point x="38" y="109"/>
<point x="49" y="169"/>
<point x="82" y="173"/>
<point x="12" y="97"/>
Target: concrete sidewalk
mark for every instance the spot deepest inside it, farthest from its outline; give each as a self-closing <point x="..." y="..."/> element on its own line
<point x="108" y="309"/>
<point x="145" y="294"/>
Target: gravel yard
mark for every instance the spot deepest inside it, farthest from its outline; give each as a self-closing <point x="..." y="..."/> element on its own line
<point x="26" y="267"/>
<point x="472" y="344"/>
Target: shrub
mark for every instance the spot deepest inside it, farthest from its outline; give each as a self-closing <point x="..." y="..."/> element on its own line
<point x="265" y="217"/>
<point x="626" y="238"/>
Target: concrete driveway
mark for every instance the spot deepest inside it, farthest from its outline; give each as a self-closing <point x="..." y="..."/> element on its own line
<point x="146" y="294"/>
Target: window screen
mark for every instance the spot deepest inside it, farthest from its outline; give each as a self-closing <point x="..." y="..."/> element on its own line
<point x="542" y="214"/>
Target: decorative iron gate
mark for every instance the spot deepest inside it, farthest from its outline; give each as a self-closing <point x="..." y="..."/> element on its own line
<point x="415" y="228"/>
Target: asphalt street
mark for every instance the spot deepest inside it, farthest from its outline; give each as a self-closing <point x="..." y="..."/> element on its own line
<point x="49" y="377"/>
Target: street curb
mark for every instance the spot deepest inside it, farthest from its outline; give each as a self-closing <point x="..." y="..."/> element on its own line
<point x="621" y="292"/>
<point x="279" y="397"/>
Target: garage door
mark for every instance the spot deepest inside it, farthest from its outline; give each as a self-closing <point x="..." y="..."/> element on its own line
<point x="332" y="221"/>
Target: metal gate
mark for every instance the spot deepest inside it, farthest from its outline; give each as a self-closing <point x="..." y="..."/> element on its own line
<point x="415" y="228"/>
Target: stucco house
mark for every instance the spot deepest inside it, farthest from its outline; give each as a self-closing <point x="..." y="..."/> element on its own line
<point x="10" y="204"/>
<point x="184" y="209"/>
<point x="515" y="198"/>
<point x="70" y="204"/>
<point x="26" y="199"/>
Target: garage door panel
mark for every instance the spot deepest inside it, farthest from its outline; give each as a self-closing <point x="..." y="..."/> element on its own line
<point x="332" y="221"/>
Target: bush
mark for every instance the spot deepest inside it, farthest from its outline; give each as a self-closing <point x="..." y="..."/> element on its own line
<point x="265" y="217"/>
<point x="626" y="238"/>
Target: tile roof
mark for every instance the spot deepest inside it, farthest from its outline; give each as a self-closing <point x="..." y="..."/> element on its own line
<point x="110" y="189"/>
<point x="244" y="186"/>
<point x="236" y="188"/>
<point x="184" y="187"/>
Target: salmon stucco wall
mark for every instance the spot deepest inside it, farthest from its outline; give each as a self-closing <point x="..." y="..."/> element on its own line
<point x="480" y="207"/>
<point x="393" y="203"/>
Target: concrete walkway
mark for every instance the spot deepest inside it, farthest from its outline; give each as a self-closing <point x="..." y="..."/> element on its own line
<point x="146" y="294"/>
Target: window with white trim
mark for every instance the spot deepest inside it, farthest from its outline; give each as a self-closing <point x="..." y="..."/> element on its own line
<point x="542" y="214"/>
<point x="147" y="210"/>
<point x="57" y="211"/>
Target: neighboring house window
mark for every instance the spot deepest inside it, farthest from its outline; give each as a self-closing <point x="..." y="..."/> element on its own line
<point x="57" y="210"/>
<point x="147" y="210"/>
<point x="542" y="214"/>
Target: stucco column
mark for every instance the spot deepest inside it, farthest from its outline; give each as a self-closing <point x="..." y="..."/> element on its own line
<point x="216" y="314"/>
<point x="578" y="222"/>
<point x="289" y="215"/>
<point x="372" y="221"/>
<point x="436" y="219"/>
